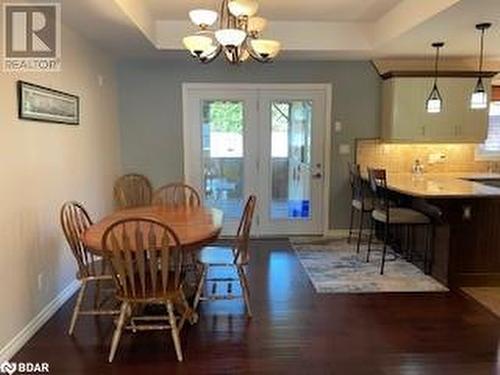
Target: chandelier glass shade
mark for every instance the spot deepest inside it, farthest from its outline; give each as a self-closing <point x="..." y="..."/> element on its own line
<point x="237" y="37"/>
<point x="479" y="98"/>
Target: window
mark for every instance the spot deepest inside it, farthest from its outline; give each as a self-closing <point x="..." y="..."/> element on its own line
<point x="490" y="149"/>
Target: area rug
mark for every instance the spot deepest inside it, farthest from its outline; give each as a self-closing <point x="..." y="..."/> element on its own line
<point x="333" y="266"/>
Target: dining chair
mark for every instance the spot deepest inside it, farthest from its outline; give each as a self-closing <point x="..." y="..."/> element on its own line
<point x="91" y="269"/>
<point x="132" y="190"/>
<point x="177" y="194"/>
<point x="388" y="214"/>
<point x="146" y="259"/>
<point x="236" y="257"/>
<point x="360" y="202"/>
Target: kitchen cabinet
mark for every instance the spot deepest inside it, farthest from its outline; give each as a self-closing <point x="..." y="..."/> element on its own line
<point x="405" y="119"/>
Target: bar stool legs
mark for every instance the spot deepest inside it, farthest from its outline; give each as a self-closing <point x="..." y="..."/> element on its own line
<point x="351" y="225"/>
<point x="360" y="234"/>
<point x="370" y="236"/>
<point x="384" y="251"/>
<point x="428" y="252"/>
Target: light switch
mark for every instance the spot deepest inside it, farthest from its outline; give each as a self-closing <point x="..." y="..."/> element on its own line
<point x="345" y="149"/>
<point x="338" y="126"/>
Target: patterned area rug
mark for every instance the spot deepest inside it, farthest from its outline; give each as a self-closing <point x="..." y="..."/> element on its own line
<point x="334" y="267"/>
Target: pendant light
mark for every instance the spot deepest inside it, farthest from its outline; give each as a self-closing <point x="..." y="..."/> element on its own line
<point x="479" y="98"/>
<point x="434" y="101"/>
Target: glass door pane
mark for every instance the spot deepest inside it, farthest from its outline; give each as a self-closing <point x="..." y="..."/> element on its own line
<point x="223" y="156"/>
<point x="260" y="140"/>
<point x="291" y="124"/>
<point x="291" y="143"/>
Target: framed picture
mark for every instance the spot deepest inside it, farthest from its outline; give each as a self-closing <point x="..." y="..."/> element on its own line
<point x="40" y="103"/>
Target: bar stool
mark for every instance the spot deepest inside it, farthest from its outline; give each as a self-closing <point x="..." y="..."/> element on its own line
<point x="388" y="215"/>
<point x="360" y="201"/>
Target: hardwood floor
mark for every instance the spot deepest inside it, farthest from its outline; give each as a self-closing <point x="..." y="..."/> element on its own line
<point x="294" y="331"/>
<point x="489" y="297"/>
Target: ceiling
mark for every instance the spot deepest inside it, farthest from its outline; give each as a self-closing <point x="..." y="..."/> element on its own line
<point x="285" y="10"/>
<point x="455" y="26"/>
<point x="311" y="29"/>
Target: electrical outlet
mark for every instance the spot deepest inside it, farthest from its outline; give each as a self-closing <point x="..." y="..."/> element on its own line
<point x="41" y="281"/>
<point x="345" y="149"/>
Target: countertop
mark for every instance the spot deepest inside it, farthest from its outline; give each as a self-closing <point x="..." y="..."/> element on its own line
<point x="443" y="185"/>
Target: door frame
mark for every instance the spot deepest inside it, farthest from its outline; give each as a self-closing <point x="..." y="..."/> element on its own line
<point x="326" y="88"/>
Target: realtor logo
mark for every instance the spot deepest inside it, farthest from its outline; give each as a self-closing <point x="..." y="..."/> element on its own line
<point x="32" y="37"/>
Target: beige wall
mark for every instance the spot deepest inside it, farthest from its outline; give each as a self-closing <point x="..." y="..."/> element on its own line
<point x="44" y="165"/>
<point x="400" y="157"/>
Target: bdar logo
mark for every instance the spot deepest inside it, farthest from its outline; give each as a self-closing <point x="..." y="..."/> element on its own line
<point x="8" y="368"/>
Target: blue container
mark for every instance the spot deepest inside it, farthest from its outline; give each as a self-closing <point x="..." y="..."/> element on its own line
<point x="298" y="208"/>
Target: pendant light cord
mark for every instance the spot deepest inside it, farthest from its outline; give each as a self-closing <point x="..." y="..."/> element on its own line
<point x="482" y="52"/>
<point x="436" y="66"/>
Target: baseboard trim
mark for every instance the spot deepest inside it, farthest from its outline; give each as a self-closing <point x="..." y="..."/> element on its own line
<point x="14" y="345"/>
<point x="338" y="233"/>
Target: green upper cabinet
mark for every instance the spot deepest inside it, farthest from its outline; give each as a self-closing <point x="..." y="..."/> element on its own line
<point x="405" y="119"/>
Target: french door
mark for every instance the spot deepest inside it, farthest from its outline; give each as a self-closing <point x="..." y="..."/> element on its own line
<point x="267" y="140"/>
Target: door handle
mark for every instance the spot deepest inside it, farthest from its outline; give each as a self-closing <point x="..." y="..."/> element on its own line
<point x="319" y="172"/>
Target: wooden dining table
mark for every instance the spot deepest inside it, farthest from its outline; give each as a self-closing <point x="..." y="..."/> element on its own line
<point x="194" y="226"/>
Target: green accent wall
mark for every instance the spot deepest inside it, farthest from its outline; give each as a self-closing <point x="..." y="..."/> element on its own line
<point x="150" y="108"/>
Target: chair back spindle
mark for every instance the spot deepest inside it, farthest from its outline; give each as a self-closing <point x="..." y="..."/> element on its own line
<point x="132" y="190"/>
<point x="74" y="222"/>
<point x="146" y="258"/>
<point x="177" y="194"/>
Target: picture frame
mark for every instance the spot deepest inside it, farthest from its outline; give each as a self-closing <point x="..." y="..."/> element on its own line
<point x="43" y="104"/>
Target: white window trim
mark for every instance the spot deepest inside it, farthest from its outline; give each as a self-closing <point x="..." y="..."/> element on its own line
<point x="485" y="155"/>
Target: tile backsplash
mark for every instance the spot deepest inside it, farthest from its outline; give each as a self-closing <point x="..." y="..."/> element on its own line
<point x="437" y="158"/>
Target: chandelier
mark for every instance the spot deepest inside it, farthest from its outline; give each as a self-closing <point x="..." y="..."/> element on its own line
<point x="238" y="36"/>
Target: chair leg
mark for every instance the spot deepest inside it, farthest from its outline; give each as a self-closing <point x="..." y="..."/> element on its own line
<point x="245" y="288"/>
<point x="361" y="218"/>
<point x="124" y="309"/>
<point x="351" y="225"/>
<point x="174" y="331"/>
<point x="199" y="290"/>
<point x="386" y="239"/>
<point x="194" y="263"/>
<point x="187" y="312"/>
<point x="370" y="235"/>
<point x="78" y="306"/>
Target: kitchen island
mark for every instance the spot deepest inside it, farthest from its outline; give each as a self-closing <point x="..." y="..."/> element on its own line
<point x="465" y="208"/>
